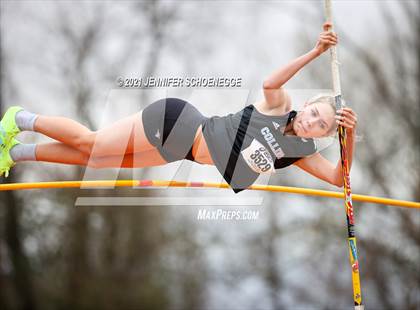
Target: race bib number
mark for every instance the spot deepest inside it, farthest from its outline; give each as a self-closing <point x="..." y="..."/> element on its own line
<point x="258" y="158"/>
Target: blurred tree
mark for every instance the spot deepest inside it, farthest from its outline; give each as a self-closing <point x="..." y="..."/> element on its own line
<point x="11" y="240"/>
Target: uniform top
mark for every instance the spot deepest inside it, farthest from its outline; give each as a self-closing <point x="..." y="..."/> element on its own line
<point x="248" y="143"/>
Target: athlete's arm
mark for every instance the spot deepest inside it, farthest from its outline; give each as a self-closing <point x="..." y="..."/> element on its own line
<point x="272" y="86"/>
<point x="321" y="168"/>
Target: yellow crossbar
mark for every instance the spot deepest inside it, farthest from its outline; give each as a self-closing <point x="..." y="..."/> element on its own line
<point x="159" y="183"/>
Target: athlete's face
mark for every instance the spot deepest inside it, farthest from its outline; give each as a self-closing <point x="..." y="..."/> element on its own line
<point x="314" y="121"/>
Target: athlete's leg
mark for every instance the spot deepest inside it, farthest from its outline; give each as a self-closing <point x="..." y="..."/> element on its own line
<point x="57" y="152"/>
<point x="125" y="136"/>
<point x="60" y="153"/>
<point x="135" y="160"/>
<point x="62" y="129"/>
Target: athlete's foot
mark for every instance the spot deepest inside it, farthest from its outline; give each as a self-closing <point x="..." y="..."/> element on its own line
<point x="8" y="126"/>
<point x="6" y="161"/>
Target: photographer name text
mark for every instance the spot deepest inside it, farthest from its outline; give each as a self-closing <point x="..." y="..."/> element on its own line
<point x="153" y="82"/>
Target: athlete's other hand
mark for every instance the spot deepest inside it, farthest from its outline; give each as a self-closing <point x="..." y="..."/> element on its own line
<point x="347" y="118"/>
<point x="326" y="39"/>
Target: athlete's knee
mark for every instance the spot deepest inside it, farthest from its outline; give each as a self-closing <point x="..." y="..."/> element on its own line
<point x="95" y="162"/>
<point x="99" y="162"/>
<point x="85" y="142"/>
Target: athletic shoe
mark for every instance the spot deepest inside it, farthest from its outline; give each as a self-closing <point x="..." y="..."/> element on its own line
<point x="6" y="161"/>
<point x="8" y="127"/>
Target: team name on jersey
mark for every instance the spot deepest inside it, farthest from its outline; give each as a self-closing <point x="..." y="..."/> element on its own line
<point x="272" y="143"/>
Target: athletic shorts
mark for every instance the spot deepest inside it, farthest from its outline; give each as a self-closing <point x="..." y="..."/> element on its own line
<point x="170" y="125"/>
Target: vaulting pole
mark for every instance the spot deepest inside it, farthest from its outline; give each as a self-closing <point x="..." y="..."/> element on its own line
<point x="354" y="261"/>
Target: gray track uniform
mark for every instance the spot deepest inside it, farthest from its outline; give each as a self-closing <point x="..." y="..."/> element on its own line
<point x="245" y="144"/>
